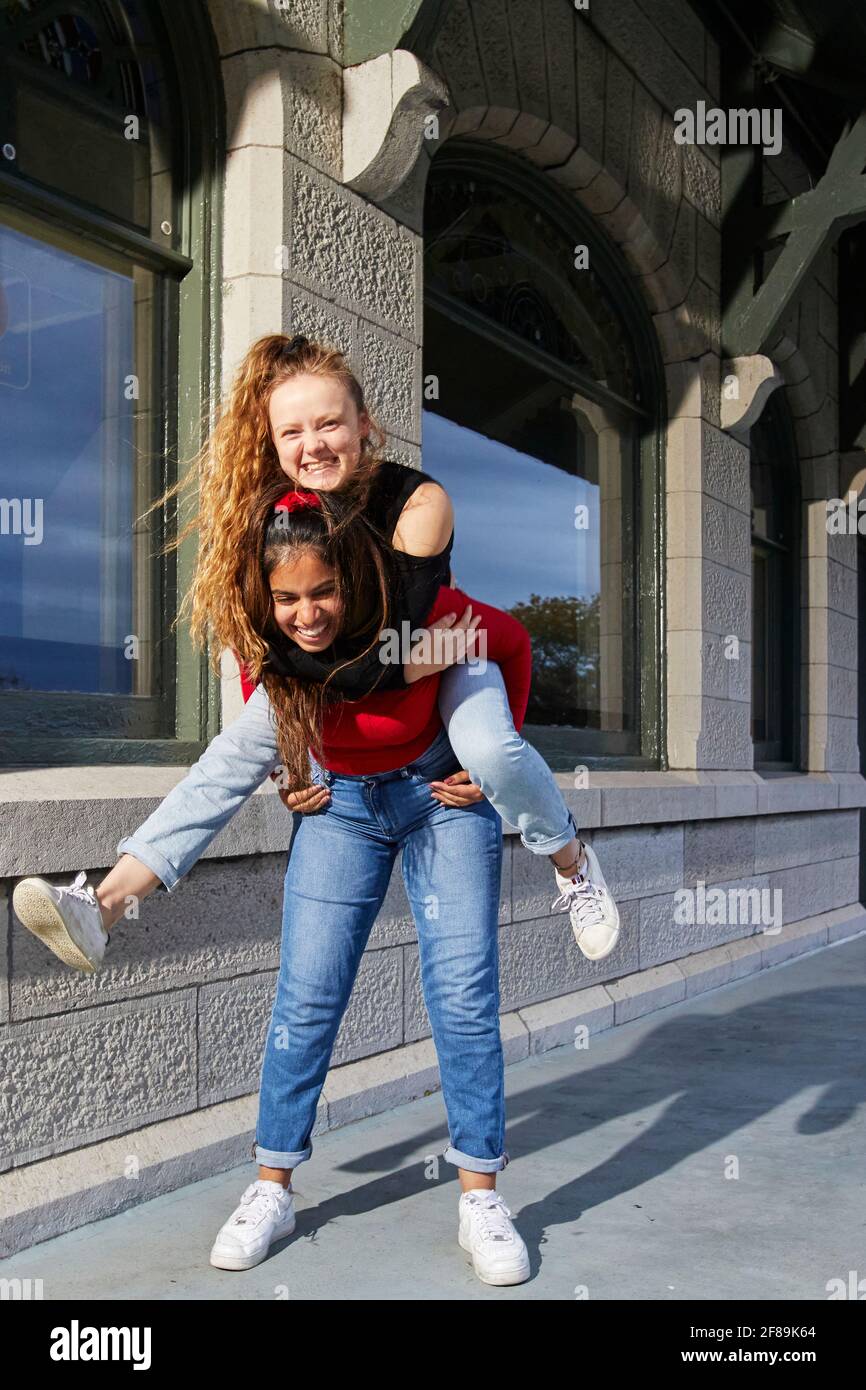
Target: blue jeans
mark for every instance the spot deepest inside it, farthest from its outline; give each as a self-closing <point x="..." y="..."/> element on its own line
<point x="337" y="876"/>
<point x="473" y="703"/>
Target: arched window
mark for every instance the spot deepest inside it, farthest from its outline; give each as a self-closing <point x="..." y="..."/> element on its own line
<point x="105" y="185"/>
<point x="775" y="586"/>
<point x="541" y="395"/>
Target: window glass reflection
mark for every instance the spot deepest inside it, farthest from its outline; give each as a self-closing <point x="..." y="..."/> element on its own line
<point x="84" y="109"/>
<point x="546" y="544"/>
<point x="498" y="257"/>
<point x="75" y="597"/>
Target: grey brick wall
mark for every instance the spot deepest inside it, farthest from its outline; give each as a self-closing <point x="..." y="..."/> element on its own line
<point x="177" y="1017"/>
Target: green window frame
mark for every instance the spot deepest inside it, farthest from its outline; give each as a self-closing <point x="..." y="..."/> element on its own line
<point x="776" y="530"/>
<point x="169" y="240"/>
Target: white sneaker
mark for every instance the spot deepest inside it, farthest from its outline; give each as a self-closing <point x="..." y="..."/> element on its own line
<point x="265" y="1213"/>
<point x="499" y="1255"/>
<point x="594" y="914"/>
<point x="67" y="920"/>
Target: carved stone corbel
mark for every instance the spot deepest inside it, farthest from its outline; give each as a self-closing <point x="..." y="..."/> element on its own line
<point x="386" y="102"/>
<point x="746" y="384"/>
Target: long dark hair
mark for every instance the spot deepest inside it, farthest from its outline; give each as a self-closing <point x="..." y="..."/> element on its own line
<point x="338" y="533"/>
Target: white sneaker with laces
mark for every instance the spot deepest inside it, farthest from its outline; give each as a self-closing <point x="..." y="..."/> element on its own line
<point x="499" y="1255"/>
<point x="67" y="920"/>
<point x="594" y="914"/>
<point x="264" y="1214"/>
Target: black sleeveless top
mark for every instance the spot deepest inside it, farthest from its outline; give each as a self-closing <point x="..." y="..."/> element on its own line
<point x="417" y="581"/>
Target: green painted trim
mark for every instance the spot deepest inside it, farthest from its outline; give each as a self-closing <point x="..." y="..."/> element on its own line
<point x="779" y="419"/>
<point x="187" y="31"/>
<point x="83" y="751"/>
<point x="421" y="38"/>
<point x="95" y="226"/>
<point x="741" y="192"/>
<point x="753" y="306"/>
<point x="373" y="27"/>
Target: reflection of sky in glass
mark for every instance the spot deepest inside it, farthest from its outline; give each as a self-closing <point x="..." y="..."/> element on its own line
<point x="514" y="531"/>
<point x="74" y="320"/>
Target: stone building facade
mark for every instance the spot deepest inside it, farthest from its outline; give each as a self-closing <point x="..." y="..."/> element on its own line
<point x="331" y="123"/>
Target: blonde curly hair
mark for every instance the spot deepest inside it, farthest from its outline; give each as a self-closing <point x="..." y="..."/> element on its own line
<point x="236" y="465"/>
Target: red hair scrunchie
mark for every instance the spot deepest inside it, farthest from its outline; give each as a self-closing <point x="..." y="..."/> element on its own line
<point x="292" y="501"/>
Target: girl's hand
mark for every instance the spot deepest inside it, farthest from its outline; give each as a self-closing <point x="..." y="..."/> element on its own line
<point x="456" y="641"/>
<point x="458" y="790"/>
<point x="307" y="800"/>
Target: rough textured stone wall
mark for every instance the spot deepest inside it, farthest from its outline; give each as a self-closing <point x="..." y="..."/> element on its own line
<point x="176" y="1020"/>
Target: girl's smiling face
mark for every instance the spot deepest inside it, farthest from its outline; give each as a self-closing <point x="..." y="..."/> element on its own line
<point x="306" y="606"/>
<point x="317" y="431"/>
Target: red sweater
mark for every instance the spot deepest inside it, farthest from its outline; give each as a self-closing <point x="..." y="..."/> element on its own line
<point x="386" y="730"/>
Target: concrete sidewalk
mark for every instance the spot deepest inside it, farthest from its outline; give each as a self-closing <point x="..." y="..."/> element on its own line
<point x="620" y="1179"/>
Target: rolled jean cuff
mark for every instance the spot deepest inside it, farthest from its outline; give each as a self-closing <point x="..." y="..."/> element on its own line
<point x="275" y="1158"/>
<point x="152" y="859"/>
<point x="553" y="842"/>
<point x="475" y="1165"/>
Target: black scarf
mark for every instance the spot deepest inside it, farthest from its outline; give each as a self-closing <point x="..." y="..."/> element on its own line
<point x="286" y="658"/>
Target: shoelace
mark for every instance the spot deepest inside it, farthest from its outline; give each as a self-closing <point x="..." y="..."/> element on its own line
<point x="492" y="1215"/>
<point x="260" y="1201"/>
<point x="77" y="889"/>
<point x="589" y="908"/>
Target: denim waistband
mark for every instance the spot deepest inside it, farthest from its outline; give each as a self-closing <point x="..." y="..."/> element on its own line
<point x="430" y="755"/>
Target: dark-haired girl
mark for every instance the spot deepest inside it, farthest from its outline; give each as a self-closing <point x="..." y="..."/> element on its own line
<point x="326" y="579"/>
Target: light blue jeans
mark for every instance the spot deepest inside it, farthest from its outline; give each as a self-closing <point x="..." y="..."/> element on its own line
<point x="473" y="703"/>
<point x="337" y="876"/>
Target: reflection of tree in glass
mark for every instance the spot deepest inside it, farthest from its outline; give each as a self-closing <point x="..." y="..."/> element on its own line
<point x="565" y="659"/>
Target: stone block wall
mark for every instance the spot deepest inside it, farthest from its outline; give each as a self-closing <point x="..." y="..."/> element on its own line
<point x="176" y="1019"/>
